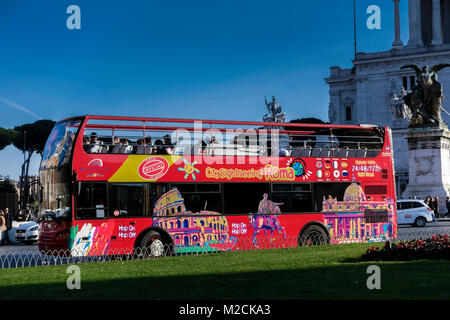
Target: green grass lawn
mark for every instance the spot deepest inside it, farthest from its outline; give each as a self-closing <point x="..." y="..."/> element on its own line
<point x="326" y="272"/>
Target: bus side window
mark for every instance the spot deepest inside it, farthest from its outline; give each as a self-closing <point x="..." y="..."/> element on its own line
<point x="91" y="201"/>
<point x="130" y="200"/>
<point x="201" y="197"/>
<point x="328" y="192"/>
<point x="294" y="197"/>
<point x="243" y="198"/>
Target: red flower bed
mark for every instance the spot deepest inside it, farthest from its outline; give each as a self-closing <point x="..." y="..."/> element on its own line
<point x="436" y="247"/>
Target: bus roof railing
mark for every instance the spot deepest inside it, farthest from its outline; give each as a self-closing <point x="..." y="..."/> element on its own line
<point x="294" y="135"/>
<point x="227" y="122"/>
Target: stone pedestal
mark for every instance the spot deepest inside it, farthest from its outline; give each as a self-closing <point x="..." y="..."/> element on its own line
<point x="400" y="147"/>
<point x="429" y="164"/>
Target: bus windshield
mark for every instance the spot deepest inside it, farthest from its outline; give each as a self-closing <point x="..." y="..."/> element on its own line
<point x="59" y="145"/>
<point x="56" y="193"/>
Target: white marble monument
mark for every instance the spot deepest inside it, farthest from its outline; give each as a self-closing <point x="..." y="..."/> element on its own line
<point x="365" y="92"/>
<point x="429" y="161"/>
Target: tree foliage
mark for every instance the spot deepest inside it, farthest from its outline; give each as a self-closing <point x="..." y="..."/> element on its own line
<point x="308" y="120"/>
<point x="29" y="138"/>
<point x="36" y="136"/>
<point x="7" y="186"/>
<point x="6" y="137"/>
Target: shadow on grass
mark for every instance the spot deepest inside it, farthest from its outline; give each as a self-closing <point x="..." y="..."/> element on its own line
<point x="401" y="280"/>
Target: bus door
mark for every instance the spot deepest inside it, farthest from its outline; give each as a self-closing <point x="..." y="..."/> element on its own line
<point x="91" y="231"/>
<point x="129" y="203"/>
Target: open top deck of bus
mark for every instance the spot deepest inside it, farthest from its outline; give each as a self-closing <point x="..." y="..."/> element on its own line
<point x="145" y="135"/>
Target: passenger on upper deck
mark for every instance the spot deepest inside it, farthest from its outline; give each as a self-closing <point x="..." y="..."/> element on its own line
<point x="140" y="149"/>
<point x="95" y="144"/>
<point x="116" y="145"/>
<point x="86" y="143"/>
<point x="159" y="147"/>
<point x="125" y="147"/>
<point x="148" y="145"/>
<point x="168" y="144"/>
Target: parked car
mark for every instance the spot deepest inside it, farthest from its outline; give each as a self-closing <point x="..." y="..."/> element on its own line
<point x="28" y="232"/>
<point x="413" y="212"/>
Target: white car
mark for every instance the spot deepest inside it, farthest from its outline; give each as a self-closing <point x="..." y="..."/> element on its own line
<point x="413" y="212"/>
<point x="28" y="232"/>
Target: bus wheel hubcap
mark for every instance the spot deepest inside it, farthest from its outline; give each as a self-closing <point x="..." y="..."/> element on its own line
<point x="156" y="248"/>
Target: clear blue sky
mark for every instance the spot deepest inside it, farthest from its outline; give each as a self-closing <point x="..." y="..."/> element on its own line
<point x="213" y="59"/>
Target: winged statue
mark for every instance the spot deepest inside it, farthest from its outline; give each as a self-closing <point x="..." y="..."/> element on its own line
<point x="425" y="99"/>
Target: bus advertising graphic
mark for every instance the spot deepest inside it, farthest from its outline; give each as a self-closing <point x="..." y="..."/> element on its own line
<point x="189" y="169"/>
<point x="153" y="168"/>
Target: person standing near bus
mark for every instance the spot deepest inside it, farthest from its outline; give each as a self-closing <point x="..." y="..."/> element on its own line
<point x="435" y="206"/>
<point x="447" y="202"/>
<point x="8" y="222"/>
<point x="3" y="228"/>
<point x="429" y="202"/>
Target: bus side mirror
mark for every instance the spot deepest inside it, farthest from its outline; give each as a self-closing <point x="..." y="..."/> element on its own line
<point x="78" y="187"/>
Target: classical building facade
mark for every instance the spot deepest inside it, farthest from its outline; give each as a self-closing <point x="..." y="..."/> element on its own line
<point x="368" y="92"/>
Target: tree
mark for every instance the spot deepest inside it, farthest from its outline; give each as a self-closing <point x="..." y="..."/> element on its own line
<point x="35" y="138"/>
<point x="7" y="186"/>
<point x="31" y="138"/>
<point x="299" y="140"/>
<point x="6" y="137"/>
<point x="308" y="120"/>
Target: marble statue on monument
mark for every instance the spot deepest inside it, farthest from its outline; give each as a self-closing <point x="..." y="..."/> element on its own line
<point x="401" y="109"/>
<point x="274" y="111"/>
<point x="428" y="138"/>
<point x="425" y="99"/>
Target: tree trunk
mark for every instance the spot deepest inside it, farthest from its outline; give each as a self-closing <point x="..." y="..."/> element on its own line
<point x="25" y="187"/>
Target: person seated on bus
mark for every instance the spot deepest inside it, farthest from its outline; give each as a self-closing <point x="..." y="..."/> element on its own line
<point x="212" y="143"/>
<point x="86" y="143"/>
<point x="168" y="144"/>
<point x="125" y="147"/>
<point x="140" y="149"/>
<point x="148" y="146"/>
<point x="284" y="153"/>
<point x="106" y="145"/>
<point x="105" y="148"/>
<point x="159" y="147"/>
<point x="200" y="147"/>
<point x="116" y="145"/>
<point x="95" y="144"/>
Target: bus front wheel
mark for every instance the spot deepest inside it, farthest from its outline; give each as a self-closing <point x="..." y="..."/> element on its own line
<point x="313" y="235"/>
<point x="153" y="245"/>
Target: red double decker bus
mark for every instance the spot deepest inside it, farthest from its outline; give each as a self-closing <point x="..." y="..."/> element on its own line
<point x="111" y="184"/>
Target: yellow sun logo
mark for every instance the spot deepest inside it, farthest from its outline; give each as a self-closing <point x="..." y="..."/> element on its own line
<point x="189" y="168"/>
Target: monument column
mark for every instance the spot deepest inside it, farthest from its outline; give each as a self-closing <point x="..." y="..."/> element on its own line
<point x="415" y="23"/>
<point x="397" y="44"/>
<point x="437" y="23"/>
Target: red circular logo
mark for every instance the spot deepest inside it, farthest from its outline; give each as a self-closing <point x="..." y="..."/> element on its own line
<point x="153" y="168"/>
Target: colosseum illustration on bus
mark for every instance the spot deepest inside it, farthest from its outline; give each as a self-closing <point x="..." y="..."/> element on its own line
<point x="200" y="231"/>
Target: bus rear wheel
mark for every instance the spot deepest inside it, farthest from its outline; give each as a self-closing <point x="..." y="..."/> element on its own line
<point x="153" y="246"/>
<point x="313" y="235"/>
